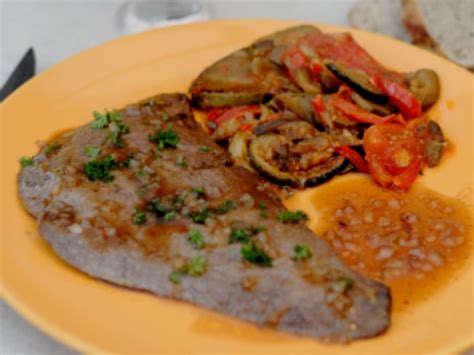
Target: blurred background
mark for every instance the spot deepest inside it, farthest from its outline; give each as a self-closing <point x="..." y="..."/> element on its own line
<point x="58" y="29"/>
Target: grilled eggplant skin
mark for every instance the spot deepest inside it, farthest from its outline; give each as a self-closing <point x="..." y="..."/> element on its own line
<point x="357" y="80"/>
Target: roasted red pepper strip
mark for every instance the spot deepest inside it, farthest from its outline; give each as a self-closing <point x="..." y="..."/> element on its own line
<point x="315" y="70"/>
<point x="237" y="112"/>
<point x="245" y="127"/>
<point x="400" y="96"/>
<point x="354" y="157"/>
<point x="214" y="113"/>
<point x="354" y="112"/>
<point x="343" y="49"/>
<point x="318" y="104"/>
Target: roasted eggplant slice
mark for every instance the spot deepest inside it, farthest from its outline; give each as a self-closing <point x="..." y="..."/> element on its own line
<point x="357" y="80"/>
<point x="223" y="99"/>
<point x="424" y="84"/>
<point x="294" y="153"/>
<point x="298" y="103"/>
<point x="435" y="145"/>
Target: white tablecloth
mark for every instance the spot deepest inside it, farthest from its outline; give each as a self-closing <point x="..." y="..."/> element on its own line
<point x="58" y="29"/>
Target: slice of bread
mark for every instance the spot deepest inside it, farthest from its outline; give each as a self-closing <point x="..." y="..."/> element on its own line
<point x="381" y="16"/>
<point x="445" y="25"/>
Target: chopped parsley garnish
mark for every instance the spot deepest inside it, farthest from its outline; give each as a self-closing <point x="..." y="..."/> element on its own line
<point x="196" y="238"/>
<point x="99" y="169"/>
<point x="169" y="216"/>
<point x="253" y="254"/>
<point x="166" y="138"/>
<point x="292" y="217"/>
<point x="91" y="152"/>
<point x="264" y="214"/>
<point x="126" y="161"/>
<point x="197" y="266"/>
<point x="347" y="282"/>
<point x="116" y="136"/>
<point x="51" y="148"/>
<point x="154" y="205"/>
<point x="239" y="235"/>
<point x="139" y="217"/>
<point x="165" y="117"/>
<point x="302" y="252"/>
<point x="116" y="139"/>
<point x="200" y="217"/>
<point x="199" y="191"/>
<point x="26" y="161"/>
<point x="243" y="235"/>
<point x="175" y="277"/>
<point x="262" y="205"/>
<point x="225" y="207"/>
<point x="204" y="149"/>
<point x="102" y="120"/>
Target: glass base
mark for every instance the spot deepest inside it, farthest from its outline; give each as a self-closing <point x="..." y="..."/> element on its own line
<point x="139" y="15"/>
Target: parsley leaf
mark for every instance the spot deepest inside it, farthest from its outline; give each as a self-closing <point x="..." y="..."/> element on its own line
<point x="239" y="235"/>
<point x="225" y="207"/>
<point x="204" y="149"/>
<point x="197" y="266"/>
<point x="100" y="169"/>
<point x="51" y="148"/>
<point x="169" y="216"/>
<point x="91" y="152"/>
<point x="26" y="161"/>
<point x="139" y="217"/>
<point x="251" y="253"/>
<point x="175" y="277"/>
<point x="264" y="214"/>
<point x="199" y="191"/>
<point x="166" y="138"/>
<point x="243" y="235"/>
<point x="196" y="238"/>
<point x="291" y="217"/>
<point x="165" y="117"/>
<point x="262" y="205"/>
<point x="200" y="217"/>
<point x="102" y="120"/>
<point x="128" y="158"/>
<point x="302" y="252"/>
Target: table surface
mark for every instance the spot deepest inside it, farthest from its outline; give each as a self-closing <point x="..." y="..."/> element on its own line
<point x="58" y="29"/>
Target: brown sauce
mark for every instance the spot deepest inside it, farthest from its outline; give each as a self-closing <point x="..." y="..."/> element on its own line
<point x="414" y="241"/>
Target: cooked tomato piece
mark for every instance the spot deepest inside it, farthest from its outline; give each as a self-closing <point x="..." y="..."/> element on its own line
<point x="318" y="104"/>
<point x="394" y="154"/>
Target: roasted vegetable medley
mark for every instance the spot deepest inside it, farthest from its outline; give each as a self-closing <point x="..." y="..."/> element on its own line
<point x="334" y="109"/>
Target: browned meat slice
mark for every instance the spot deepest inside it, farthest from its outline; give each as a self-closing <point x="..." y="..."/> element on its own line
<point x="249" y="75"/>
<point x="144" y="198"/>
